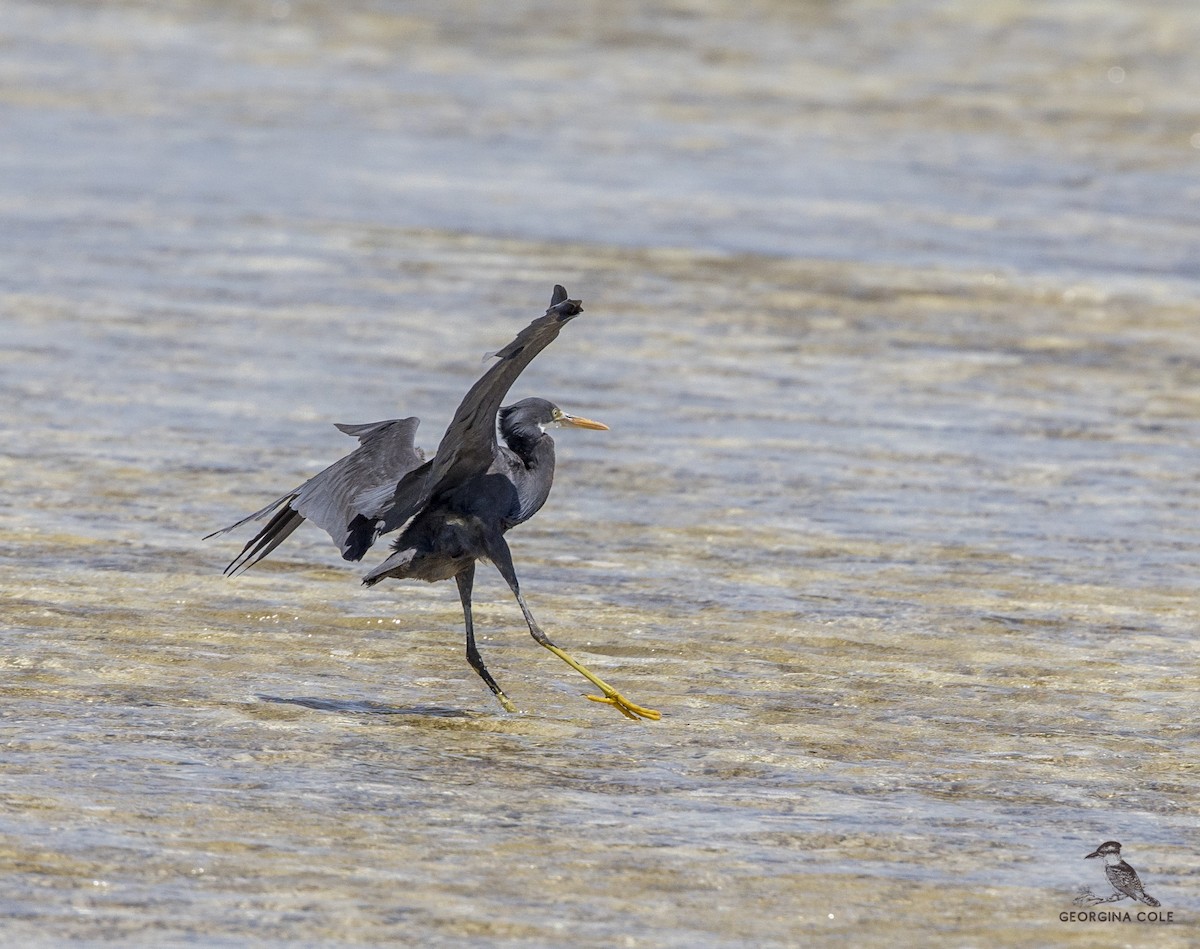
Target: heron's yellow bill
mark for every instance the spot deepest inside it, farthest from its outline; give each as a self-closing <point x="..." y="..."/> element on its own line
<point x="580" y="422"/>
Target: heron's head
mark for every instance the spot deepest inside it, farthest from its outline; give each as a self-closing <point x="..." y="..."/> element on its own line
<point x="528" y="415"/>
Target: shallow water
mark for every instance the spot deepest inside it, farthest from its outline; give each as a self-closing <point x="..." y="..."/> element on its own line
<point x="891" y="310"/>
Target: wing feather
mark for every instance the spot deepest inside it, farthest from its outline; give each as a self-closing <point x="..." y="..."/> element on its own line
<point x="358" y="485"/>
<point x="469" y="445"/>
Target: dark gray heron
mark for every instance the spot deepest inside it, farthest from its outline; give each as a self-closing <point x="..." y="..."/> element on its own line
<point x="452" y="509"/>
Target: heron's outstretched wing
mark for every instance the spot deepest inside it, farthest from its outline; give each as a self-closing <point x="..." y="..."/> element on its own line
<point x="469" y="445"/>
<point x="358" y="485"/>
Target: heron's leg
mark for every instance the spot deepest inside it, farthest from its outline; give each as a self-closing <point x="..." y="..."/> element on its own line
<point x="500" y="556"/>
<point x="466" y="580"/>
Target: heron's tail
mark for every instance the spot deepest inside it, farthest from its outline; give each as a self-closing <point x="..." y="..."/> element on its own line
<point x="395" y="566"/>
<point x="1148" y="899"/>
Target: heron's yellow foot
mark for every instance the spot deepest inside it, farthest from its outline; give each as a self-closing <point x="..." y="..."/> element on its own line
<point x="611" y="696"/>
<point x="625" y="707"/>
<point x="506" y="702"/>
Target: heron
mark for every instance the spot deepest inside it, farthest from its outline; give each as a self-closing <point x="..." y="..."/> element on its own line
<point x="452" y="509"/>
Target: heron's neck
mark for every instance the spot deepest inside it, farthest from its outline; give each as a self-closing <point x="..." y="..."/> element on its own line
<point x="535" y="474"/>
<point x="533" y="446"/>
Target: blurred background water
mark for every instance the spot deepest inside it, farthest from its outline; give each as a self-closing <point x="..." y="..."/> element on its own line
<point x="892" y="310"/>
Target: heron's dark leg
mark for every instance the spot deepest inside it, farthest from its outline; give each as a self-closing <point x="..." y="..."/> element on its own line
<point x="466" y="581"/>
<point x="499" y="554"/>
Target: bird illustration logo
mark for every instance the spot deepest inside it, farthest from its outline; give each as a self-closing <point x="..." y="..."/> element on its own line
<point x="1124" y="879"/>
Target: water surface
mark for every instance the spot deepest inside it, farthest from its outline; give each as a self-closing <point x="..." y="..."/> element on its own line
<point x="891" y="310"/>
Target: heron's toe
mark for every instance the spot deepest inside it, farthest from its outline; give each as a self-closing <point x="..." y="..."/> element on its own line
<point x="629" y="709"/>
